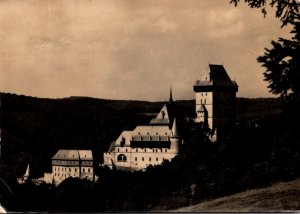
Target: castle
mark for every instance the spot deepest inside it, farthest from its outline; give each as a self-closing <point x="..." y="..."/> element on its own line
<point x="160" y="140"/>
<point x="147" y="145"/>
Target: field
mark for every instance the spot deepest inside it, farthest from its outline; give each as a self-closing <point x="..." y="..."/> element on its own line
<point x="280" y="197"/>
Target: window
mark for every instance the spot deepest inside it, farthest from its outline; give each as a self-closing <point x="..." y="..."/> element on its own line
<point x="136" y="150"/>
<point x="83" y="169"/>
<point x="153" y="150"/>
<point x="156" y="159"/>
<point x="122" y="158"/>
<point x="126" y="150"/>
<point x="135" y="158"/>
<point x="166" y="150"/>
<point x="145" y="150"/>
<point x="54" y="174"/>
<point x="69" y="169"/>
<point x="118" y="150"/>
<point x="142" y="158"/>
<point x="149" y="159"/>
<point x="204" y="101"/>
<point x="75" y="170"/>
<point x="89" y="170"/>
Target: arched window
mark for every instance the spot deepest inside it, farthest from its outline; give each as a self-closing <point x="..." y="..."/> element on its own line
<point x="122" y="158"/>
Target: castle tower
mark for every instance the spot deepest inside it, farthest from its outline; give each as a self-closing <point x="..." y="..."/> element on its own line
<point x="175" y="138"/>
<point x="215" y="101"/>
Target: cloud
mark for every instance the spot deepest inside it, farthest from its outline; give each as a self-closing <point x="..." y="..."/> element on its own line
<point x="129" y="49"/>
<point x="224" y="24"/>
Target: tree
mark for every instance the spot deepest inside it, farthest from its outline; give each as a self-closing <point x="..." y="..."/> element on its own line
<point x="282" y="61"/>
<point x="286" y="10"/>
<point x="282" y="64"/>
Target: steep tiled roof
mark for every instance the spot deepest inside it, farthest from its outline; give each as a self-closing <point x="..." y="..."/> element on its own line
<point x="73" y="154"/>
<point x="85" y="155"/>
<point x="216" y="76"/>
<point x="124" y="139"/>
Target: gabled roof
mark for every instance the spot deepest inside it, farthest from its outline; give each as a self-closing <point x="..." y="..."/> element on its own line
<point x="73" y="154"/>
<point x="124" y="139"/>
<point x="85" y="155"/>
<point x="216" y="76"/>
<point x="162" y="130"/>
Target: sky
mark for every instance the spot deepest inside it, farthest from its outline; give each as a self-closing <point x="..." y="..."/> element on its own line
<point x="130" y="49"/>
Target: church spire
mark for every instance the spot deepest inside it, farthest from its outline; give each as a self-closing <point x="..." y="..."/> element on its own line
<point x="171" y="97"/>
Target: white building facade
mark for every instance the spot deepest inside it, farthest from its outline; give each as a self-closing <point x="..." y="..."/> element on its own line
<point x="70" y="163"/>
<point x="146" y="145"/>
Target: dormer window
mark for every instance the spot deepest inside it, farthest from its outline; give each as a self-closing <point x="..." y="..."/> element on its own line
<point x="163" y="114"/>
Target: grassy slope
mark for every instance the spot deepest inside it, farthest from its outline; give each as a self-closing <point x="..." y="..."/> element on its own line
<point x="278" y="197"/>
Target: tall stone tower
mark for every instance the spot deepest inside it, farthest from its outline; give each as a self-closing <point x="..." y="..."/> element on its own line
<point x="215" y="101"/>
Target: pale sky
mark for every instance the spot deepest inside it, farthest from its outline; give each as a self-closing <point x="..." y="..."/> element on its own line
<point x="127" y="49"/>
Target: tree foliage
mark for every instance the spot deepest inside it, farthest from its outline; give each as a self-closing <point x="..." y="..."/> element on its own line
<point x="282" y="61"/>
<point x="286" y="10"/>
<point x="282" y="64"/>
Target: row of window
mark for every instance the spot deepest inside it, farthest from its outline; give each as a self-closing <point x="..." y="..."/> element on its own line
<point x="145" y="150"/>
<point x="70" y="169"/>
<point x="123" y="158"/>
<point x="143" y="159"/>
<point x="139" y="133"/>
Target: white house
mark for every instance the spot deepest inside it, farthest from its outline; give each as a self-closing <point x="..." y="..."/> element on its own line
<point x="70" y="163"/>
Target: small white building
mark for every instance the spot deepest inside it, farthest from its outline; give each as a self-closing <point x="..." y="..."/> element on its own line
<point x="70" y="163"/>
<point x="146" y="145"/>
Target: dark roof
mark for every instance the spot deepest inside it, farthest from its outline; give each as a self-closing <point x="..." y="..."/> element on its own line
<point x="216" y="76"/>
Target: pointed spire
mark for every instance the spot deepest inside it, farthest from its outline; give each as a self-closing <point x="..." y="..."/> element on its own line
<point x="26" y="175"/>
<point x="171" y="97"/>
<point x="174" y="129"/>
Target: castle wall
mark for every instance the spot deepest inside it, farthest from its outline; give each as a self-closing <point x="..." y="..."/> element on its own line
<point x="139" y="158"/>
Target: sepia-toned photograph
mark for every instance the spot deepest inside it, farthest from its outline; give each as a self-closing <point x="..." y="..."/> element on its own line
<point x="180" y="106"/>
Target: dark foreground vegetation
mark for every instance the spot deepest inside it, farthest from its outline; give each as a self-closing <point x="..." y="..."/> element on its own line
<point x="264" y="149"/>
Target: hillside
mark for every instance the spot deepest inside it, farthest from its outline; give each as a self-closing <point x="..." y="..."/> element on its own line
<point x="264" y="149"/>
<point x="33" y="129"/>
<point x="279" y="197"/>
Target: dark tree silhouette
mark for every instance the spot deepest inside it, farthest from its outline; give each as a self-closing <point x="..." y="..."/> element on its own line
<point x="286" y="10"/>
<point x="282" y="64"/>
<point x="282" y="61"/>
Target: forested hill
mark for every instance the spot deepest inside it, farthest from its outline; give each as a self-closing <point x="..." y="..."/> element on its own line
<point x="33" y="129"/>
